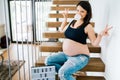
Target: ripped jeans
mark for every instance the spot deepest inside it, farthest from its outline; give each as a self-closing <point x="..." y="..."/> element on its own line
<point x="67" y="65"/>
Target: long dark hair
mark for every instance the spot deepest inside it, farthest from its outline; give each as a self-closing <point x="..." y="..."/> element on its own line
<point x="86" y="5"/>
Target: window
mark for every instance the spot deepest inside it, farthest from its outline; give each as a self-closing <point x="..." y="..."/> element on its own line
<point x="21" y="16"/>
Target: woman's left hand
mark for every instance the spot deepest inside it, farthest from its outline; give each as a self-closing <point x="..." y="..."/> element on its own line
<point x="105" y="31"/>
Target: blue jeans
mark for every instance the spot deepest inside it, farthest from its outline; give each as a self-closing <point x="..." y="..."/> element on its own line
<point x="67" y="65"/>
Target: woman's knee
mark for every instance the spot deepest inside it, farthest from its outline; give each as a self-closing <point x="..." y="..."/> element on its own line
<point x="48" y="60"/>
<point x="61" y="74"/>
<point x="65" y="75"/>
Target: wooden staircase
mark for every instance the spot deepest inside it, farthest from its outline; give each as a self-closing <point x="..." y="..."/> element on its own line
<point x="95" y="64"/>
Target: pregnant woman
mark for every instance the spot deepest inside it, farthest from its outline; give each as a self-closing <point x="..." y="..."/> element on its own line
<point x="75" y="55"/>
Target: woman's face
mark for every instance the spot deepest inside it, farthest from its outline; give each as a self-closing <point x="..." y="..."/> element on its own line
<point x="82" y="12"/>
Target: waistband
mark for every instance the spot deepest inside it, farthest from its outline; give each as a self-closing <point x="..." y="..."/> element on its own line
<point x="83" y="55"/>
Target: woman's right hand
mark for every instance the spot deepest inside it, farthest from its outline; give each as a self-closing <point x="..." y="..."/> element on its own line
<point x="65" y="13"/>
<point x="105" y="31"/>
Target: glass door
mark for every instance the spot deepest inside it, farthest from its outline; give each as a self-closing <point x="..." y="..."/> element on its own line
<point x="28" y="19"/>
<point x="21" y="21"/>
<point x="42" y="10"/>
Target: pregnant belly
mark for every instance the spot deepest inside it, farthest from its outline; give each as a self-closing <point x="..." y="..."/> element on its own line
<point x="72" y="48"/>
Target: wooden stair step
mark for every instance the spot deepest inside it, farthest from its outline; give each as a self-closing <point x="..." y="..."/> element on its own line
<point x="83" y="76"/>
<point x="66" y="2"/>
<point x="95" y="64"/>
<point x="58" y="24"/>
<point x="54" y="24"/>
<point x="90" y="78"/>
<point x="57" y="46"/>
<point x="55" y="34"/>
<point x="62" y="8"/>
<point x="53" y="15"/>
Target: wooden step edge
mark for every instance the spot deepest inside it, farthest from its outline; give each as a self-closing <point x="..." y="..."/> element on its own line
<point x="83" y="76"/>
<point x="95" y="64"/>
<point x="67" y="2"/>
<point x="90" y="78"/>
<point x="55" y="34"/>
<point x="60" y="15"/>
<point x="54" y="24"/>
<point x="80" y="73"/>
<point x="62" y="8"/>
<point x="57" y="46"/>
<point x="58" y="24"/>
<point x="57" y="49"/>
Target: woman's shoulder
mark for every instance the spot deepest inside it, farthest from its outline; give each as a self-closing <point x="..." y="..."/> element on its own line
<point x="89" y="27"/>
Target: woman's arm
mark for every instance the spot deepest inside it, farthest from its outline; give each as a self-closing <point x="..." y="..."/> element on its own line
<point x="91" y="34"/>
<point x="64" y="23"/>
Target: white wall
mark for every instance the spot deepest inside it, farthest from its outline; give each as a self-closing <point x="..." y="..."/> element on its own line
<point x="113" y="50"/>
<point x="1" y="12"/>
<point x="4" y="19"/>
<point x="108" y="12"/>
<point x="100" y="12"/>
<point x="2" y="28"/>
